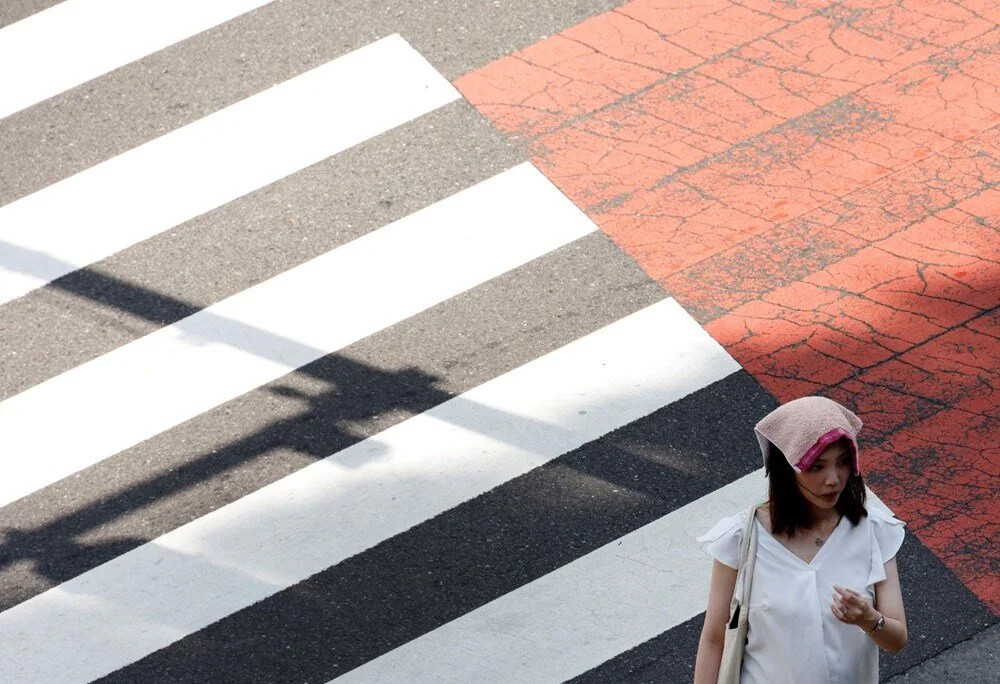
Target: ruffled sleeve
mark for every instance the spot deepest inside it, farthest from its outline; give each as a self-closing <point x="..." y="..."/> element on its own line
<point x="886" y="538"/>
<point x="722" y="542"/>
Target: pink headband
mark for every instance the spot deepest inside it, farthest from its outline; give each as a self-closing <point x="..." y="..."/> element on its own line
<point x="804" y="427"/>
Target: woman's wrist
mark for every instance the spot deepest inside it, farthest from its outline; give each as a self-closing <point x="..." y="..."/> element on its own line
<point x="869" y="620"/>
<point x="875" y="623"/>
<point x="891" y="636"/>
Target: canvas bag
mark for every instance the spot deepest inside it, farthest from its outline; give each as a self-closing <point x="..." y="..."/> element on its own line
<point x="736" y="630"/>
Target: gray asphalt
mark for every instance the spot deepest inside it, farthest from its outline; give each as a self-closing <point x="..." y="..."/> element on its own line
<point x="209" y="71"/>
<point x="976" y="661"/>
<point x="15" y="10"/>
<point x="246" y="241"/>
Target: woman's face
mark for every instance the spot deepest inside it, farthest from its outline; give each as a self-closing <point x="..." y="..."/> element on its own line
<point x="823" y="481"/>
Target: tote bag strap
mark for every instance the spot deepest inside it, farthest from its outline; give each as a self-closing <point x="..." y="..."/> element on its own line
<point x="748" y="559"/>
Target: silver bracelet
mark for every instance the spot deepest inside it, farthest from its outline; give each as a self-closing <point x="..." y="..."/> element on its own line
<point x="879" y="624"/>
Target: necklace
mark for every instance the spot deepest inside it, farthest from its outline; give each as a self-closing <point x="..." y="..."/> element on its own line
<point x="820" y="540"/>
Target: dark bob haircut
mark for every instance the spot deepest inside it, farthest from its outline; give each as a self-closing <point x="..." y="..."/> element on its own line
<point x="789" y="510"/>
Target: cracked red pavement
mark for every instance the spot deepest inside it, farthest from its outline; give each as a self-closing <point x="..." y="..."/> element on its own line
<point x="819" y="185"/>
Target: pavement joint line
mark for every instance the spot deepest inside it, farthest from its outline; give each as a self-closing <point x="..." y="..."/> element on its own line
<point x="901" y="677"/>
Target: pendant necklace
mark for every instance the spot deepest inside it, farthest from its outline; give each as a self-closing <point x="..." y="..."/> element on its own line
<point x="820" y="540"/>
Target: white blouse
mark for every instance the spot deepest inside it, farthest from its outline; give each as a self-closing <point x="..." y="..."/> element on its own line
<point x="793" y="636"/>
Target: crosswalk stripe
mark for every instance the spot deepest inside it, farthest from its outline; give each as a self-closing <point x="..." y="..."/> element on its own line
<point x="77" y="40"/>
<point x="668" y="657"/>
<point x="177" y="372"/>
<point x="580" y="615"/>
<point x="214" y="160"/>
<point x="244" y="444"/>
<point x="281" y="534"/>
<point x="473" y="553"/>
<point x="222" y="252"/>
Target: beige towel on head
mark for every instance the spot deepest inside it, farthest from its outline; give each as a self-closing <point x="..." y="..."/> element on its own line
<point x="803" y="427"/>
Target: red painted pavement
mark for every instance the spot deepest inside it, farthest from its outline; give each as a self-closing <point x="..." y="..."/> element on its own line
<point x="819" y="185"/>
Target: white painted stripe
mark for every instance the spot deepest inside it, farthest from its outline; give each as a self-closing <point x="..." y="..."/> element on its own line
<point x="147" y="386"/>
<point x="77" y="40"/>
<point x="337" y="507"/>
<point x="214" y="160"/>
<point x="582" y="614"/>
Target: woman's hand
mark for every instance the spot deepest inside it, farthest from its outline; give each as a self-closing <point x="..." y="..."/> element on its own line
<point x="851" y="608"/>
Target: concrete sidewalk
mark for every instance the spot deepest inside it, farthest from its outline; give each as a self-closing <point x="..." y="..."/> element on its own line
<point x="974" y="660"/>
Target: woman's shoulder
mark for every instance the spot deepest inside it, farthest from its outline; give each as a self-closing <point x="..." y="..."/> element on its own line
<point x="879" y="514"/>
<point x="763" y="514"/>
<point x="728" y="526"/>
<point x="886" y="529"/>
<point x="722" y="541"/>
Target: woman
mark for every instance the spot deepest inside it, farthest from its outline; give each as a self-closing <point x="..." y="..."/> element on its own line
<point x="825" y="592"/>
